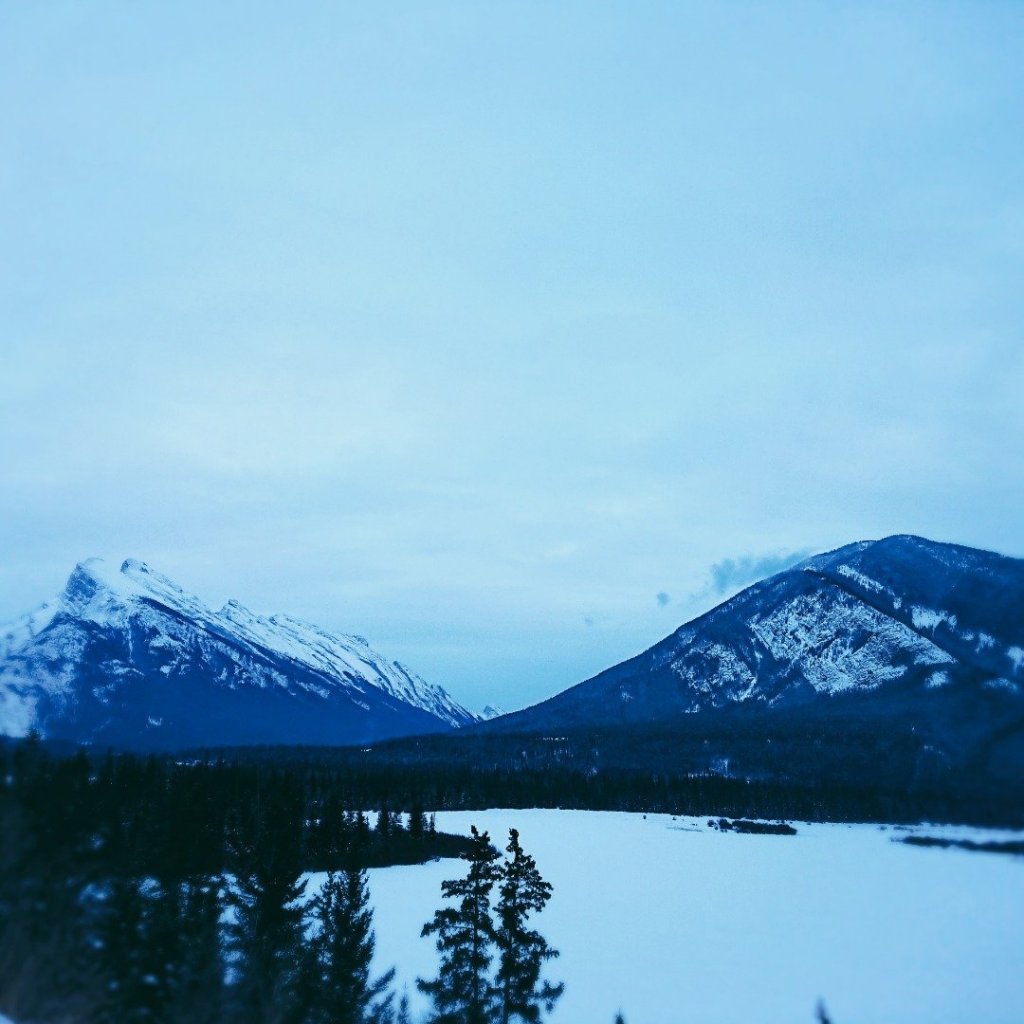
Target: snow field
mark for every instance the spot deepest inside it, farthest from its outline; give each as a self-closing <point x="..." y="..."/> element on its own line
<point x="670" y="921"/>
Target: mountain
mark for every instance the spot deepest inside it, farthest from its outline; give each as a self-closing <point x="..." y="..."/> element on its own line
<point x="128" y="658"/>
<point x="901" y="617"/>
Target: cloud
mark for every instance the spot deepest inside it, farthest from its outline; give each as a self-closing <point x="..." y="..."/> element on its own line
<point x="662" y="598"/>
<point x="731" y="573"/>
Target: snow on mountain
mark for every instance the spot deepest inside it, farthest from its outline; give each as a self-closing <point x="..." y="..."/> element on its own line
<point x="902" y="612"/>
<point x="491" y="711"/>
<point x="128" y="657"/>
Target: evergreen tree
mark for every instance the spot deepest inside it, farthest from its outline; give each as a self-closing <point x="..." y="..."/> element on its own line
<point x="403" y="1016"/>
<point x="337" y="970"/>
<point x="522" y="951"/>
<point x="126" y="957"/>
<point x="332" y="835"/>
<point x="48" y="854"/>
<point x="462" y="992"/>
<point x="417" y="822"/>
<point x="197" y="989"/>
<point x="362" y="831"/>
<point x="267" y="934"/>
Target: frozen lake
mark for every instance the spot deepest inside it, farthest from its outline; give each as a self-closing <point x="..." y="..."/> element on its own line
<point x="669" y="921"/>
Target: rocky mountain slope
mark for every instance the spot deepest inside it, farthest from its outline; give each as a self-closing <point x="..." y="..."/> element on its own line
<point x="129" y="658"/>
<point x="900" y="616"/>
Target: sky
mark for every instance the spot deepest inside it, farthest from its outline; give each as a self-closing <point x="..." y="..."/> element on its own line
<point x="510" y="336"/>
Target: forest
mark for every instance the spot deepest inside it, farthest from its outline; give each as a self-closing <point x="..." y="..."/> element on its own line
<point x="142" y="889"/>
<point x="801" y="765"/>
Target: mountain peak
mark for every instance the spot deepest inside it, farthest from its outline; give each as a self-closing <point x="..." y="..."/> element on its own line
<point x="85" y="580"/>
<point x="122" y="649"/>
<point x="98" y="591"/>
<point x="901" y="615"/>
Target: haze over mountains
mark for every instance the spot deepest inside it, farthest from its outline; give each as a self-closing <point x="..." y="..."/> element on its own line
<point x="129" y="658"/>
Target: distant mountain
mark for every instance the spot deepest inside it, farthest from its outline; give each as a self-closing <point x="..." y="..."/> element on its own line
<point x="902" y="617"/>
<point x="127" y="658"/>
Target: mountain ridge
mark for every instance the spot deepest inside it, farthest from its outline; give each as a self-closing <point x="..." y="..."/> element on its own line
<point x="900" y="611"/>
<point x="87" y="666"/>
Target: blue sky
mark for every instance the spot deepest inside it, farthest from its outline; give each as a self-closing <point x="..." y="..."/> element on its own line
<point x="504" y="334"/>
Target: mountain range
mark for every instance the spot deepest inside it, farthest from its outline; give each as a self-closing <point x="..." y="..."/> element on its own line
<point x="127" y="658"/>
<point x="872" y="638"/>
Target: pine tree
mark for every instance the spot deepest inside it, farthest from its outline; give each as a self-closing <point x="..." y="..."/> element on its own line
<point x="121" y="956"/>
<point x="417" y="822"/>
<point x="339" y="954"/>
<point x="197" y="989"/>
<point x="362" y="832"/>
<point x="403" y="1016"/>
<point x="48" y="859"/>
<point x="158" y="949"/>
<point x="462" y="992"/>
<point x="267" y="933"/>
<point x="522" y="951"/>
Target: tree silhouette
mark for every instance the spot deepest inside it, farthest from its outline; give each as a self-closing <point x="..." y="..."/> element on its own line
<point x="267" y="933"/>
<point x="462" y="992"/>
<point x="339" y="956"/>
<point x="522" y="950"/>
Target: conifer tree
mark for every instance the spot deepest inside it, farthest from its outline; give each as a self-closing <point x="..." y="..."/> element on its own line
<point x="417" y="822"/>
<point x="362" y="831"/>
<point x="403" y="1016"/>
<point x="338" y="956"/>
<point x="267" y="934"/>
<point x="119" y="941"/>
<point x="462" y="992"/>
<point x="522" y="951"/>
<point x="197" y="989"/>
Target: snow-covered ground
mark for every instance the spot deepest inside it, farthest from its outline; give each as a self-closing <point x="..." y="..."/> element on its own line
<point x="672" y="922"/>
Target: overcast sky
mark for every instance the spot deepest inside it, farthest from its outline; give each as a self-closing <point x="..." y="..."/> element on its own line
<point x="508" y="335"/>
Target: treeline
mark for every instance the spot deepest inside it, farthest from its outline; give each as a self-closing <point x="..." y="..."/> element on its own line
<point x="117" y="876"/>
<point x="155" y="814"/>
<point x="954" y="758"/>
<point x="477" y="772"/>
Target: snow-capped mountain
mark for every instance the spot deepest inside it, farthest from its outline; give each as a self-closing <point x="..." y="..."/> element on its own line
<point x="129" y="658"/>
<point x="902" y="614"/>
